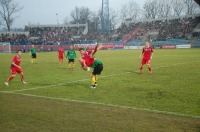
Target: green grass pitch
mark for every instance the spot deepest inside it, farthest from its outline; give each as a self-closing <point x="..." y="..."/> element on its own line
<point x="59" y="99"/>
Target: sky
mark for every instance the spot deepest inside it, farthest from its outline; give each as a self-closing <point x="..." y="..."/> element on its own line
<point x="44" y="12"/>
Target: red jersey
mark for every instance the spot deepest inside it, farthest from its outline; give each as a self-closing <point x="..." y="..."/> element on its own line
<point x="146" y="51"/>
<point x="61" y="52"/>
<point x="88" y="60"/>
<point x="17" y="60"/>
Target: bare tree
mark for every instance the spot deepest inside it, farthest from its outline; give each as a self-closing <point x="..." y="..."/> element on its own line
<point x="131" y="10"/>
<point x="7" y="10"/>
<point x="84" y="14"/>
<point x="80" y="15"/>
<point x="177" y="7"/>
<point x="113" y="19"/>
<point x="66" y="20"/>
<point x="94" y="22"/>
<point x="191" y="7"/>
<point x="124" y="14"/>
<point x="164" y="8"/>
<point x="150" y="9"/>
<point x="75" y="14"/>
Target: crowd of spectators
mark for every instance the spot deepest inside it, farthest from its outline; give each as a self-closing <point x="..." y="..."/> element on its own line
<point x="55" y="35"/>
<point x="163" y="29"/>
<point x="14" y="39"/>
<point x="61" y="35"/>
<point x="166" y="29"/>
<point x="178" y="28"/>
<point x="196" y="35"/>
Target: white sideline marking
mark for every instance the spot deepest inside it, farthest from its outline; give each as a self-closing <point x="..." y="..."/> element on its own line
<point x="82" y="80"/>
<point x="60" y="84"/>
<point x="109" y="105"/>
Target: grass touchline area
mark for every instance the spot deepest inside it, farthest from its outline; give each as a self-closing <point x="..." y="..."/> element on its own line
<point x="105" y="76"/>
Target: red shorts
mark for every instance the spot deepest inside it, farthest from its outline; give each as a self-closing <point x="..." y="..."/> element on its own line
<point x="60" y="57"/>
<point x="146" y="61"/>
<point x="15" y="70"/>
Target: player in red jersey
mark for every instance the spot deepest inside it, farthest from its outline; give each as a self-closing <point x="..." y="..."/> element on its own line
<point x="147" y="53"/>
<point x="87" y="57"/>
<point x="88" y="60"/>
<point x="61" y="55"/>
<point x="15" y="68"/>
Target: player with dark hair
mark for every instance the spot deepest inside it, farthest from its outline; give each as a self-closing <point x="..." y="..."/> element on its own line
<point x="147" y="53"/>
<point x="88" y="60"/>
<point x="33" y="51"/>
<point x="15" y="68"/>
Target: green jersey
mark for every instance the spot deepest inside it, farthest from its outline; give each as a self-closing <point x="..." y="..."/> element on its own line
<point x="71" y="54"/>
<point x="96" y="62"/>
<point x="33" y="50"/>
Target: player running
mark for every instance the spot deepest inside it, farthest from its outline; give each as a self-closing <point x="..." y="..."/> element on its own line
<point x="33" y="51"/>
<point x="88" y="60"/>
<point x="61" y="54"/>
<point x="71" y="55"/>
<point x="147" y="53"/>
<point x="15" y="68"/>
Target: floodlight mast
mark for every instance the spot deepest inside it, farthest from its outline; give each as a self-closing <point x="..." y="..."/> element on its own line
<point x="105" y="17"/>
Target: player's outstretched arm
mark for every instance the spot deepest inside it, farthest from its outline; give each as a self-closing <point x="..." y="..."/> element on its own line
<point x="142" y="53"/>
<point x="83" y="65"/>
<point x="96" y="47"/>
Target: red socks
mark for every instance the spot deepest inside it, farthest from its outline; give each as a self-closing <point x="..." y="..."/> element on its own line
<point x="141" y="69"/>
<point x="10" y="78"/>
<point x="149" y="69"/>
<point x="22" y="77"/>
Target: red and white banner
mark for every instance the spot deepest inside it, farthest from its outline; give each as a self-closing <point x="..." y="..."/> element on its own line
<point x="119" y="46"/>
<point x="168" y="47"/>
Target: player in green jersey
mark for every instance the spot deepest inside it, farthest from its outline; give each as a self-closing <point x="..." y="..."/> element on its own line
<point x="71" y="55"/>
<point x="33" y="52"/>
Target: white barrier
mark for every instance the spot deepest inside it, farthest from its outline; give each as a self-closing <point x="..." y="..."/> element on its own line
<point x="133" y="47"/>
<point x="186" y="46"/>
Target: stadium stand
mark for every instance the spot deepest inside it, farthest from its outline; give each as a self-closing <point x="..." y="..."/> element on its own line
<point x="175" y="30"/>
<point x="171" y="30"/>
<point x="15" y="38"/>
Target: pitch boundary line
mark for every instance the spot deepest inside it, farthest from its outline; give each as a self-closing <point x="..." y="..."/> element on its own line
<point x="108" y="105"/>
<point x="82" y="80"/>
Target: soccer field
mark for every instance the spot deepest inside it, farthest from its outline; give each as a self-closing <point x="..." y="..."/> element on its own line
<point x="59" y="99"/>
